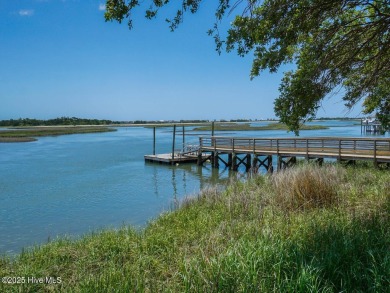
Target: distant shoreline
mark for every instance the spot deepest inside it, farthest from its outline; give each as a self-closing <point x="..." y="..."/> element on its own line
<point x="30" y="134"/>
<point x="14" y="134"/>
<point x="248" y="127"/>
<point x="16" y="139"/>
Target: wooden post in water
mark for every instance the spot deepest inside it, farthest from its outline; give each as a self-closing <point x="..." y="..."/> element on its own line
<point x="200" y="156"/>
<point x="230" y="160"/>
<point x="215" y="162"/>
<point x="173" y="141"/>
<point x="214" y="155"/>
<point x="270" y="166"/>
<point x="254" y="163"/>
<point x="234" y="162"/>
<point x="184" y="140"/>
<point x="280" y="163"/>
<point x="154" y="141"/>
<point x="248" y="163"/>
<point x="213" y="143"/>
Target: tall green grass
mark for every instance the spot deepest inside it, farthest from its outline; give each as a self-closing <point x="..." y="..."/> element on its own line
<point x="307" y="229"/>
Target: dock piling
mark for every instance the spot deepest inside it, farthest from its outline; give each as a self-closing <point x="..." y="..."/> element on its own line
<point x="154" y="141"/>
<point x="184" y="139"/>
<point x="173" y="141"/>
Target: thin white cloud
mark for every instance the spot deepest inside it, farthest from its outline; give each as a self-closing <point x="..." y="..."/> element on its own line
<point x="102" y="7"/>
<point x="26" y="12"/>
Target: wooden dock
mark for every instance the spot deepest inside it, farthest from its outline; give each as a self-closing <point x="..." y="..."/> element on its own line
<point x="254" y="153"/>
<point x="372" y="127"/>
<point x="172" y="160"/>
<point x="188" y="153"/>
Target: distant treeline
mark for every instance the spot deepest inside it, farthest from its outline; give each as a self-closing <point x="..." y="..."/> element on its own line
<point x="337" y="118"/>
<point x="166" y="121"/>
<point x="237" y="120"/>
<point x="83" y="121"/>
<point x="188" y="121"/>
<point x="55" y="121"/>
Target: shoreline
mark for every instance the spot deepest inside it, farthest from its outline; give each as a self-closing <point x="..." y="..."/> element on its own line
<point x="248" y="127"/>
<point x="30" y="134"/>
<point x="16" y="139"/>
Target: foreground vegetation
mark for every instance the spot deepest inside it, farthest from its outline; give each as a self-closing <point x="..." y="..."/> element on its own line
<point x="248" y="127"/>
<point x="29" y="134"/>
<point x="308" y="229"/>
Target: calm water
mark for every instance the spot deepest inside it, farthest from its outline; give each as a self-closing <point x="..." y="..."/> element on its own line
<point x="74" y="184"/>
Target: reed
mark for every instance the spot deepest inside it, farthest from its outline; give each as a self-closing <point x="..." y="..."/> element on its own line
<point x="307" y="187"/>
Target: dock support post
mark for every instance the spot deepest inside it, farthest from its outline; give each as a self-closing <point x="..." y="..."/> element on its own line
<point x="173" y="141"/>
<point x="279" y="166"/>
<point x="255" y="168"/>
<point x="248" y="163"/>
<point x="230" y="160"/>
<point x="215" y="161"/>
<point x="270" y="168"/>
<point x="200" y="158"/>
<point x="154" y="141"/>
<point x="213" y="153"/>
<point x="234" y="162"/>
<point x="212" y="128"/>
<point x="290" y="161"/>
<point x="200" y="155"/>
<point x="184" y="138"/>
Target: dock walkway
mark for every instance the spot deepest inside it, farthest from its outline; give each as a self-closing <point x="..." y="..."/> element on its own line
<point x="259" y="151"/>
<point x="254" y="153"/>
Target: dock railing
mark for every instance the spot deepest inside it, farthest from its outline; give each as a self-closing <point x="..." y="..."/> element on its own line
<point x="189" y="149"/>
<point x="377" y="149"/>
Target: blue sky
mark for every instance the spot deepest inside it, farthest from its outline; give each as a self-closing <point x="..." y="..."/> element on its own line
<point x="60" y="58"/>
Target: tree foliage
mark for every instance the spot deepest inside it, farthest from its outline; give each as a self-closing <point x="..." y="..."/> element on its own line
<point x="336" y="45"/>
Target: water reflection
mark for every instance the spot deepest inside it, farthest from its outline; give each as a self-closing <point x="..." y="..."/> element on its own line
<point x="183" y="176"/>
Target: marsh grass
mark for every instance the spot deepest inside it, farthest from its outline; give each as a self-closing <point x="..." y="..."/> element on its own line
<point x="307" y="187"/>
<point x="29" y="133"/>
<point x="331" y="238"/>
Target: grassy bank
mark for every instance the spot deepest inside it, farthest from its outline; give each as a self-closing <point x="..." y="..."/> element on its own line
<point x="248" y="127"/>
<point x="308" y="229"/>
<point x="30" y="133"/>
